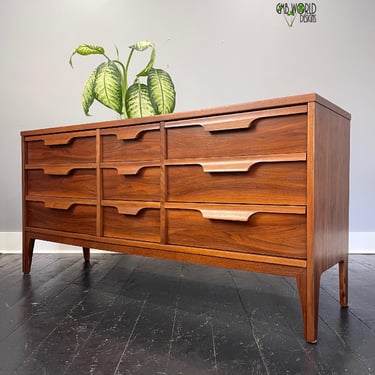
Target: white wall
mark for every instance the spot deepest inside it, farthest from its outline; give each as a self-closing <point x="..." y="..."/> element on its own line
<point x="218" y="52"/>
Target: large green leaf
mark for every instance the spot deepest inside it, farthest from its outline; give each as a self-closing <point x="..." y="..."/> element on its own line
<point x="138" y="102"/>
<point x="161" y="90"/>
<point x="88" y="94"/>
<point x="108" y="86"/>
<point x="85" y="50"/>
<point x="142" y="46"/>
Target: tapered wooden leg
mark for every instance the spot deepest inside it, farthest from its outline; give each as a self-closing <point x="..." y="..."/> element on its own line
<point x="86" y="254"/>
<point x="343" y="282"/>
<point x="27" y="252"/>
<point x="309" y="297"/>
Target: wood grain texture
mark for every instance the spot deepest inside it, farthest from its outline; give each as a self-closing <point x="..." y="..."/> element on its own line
<point x="328" y="204"/>
<point x="145" y="185"/>
<point x="236" y="120"/>
<point x="79" y="150"/>
<point x="145" y="147"/>
<point x="266" y="136"/>
<point x="271" y="234"/>
<point x="264" y="183"/>
<point x="65" y="220"/>
<point x="79" y="183"/>
<point x="142" y="226"/>
<point x="257" y="186"/>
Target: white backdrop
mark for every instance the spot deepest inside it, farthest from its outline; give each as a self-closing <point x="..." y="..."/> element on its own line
<point x="218" y="53"/>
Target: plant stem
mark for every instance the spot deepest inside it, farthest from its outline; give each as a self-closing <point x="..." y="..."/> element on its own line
<point x="125" y="81"/>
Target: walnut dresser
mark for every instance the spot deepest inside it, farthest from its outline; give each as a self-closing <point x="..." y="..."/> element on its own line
<point x="260" y="186"/>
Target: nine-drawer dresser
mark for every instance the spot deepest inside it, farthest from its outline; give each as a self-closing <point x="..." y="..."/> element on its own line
<point x="259" y="186"/>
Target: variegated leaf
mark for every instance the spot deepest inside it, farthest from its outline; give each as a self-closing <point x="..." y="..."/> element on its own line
<point x="138" y="102"/>
<point x="141" y="46"/>
<point x="85" y="50"/>
<point x="108" y="86"/>
<point x="88" y="94"/>
<point x="161" y="90"/>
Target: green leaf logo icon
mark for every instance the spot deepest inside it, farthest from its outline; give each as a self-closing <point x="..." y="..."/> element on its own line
<point x="301" y="8"/>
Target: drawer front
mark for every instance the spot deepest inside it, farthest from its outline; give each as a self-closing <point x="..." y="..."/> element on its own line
<point x="78" y="183"/>
<point x="273" y="234"/>
<point x="142" y="225"/>
<point x="64" y="148"/>
<point x="144" y="185"/>
<point x="281" y="134"/>
<point x="263" y="183"/>
<point x="131" y="143"/>
<point x="78" y="218"/>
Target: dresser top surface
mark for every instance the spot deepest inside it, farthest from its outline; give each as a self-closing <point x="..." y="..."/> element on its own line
<point x="223" y="110"/>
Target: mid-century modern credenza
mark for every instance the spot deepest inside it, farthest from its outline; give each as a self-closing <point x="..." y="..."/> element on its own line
<point x="260" y="186"/>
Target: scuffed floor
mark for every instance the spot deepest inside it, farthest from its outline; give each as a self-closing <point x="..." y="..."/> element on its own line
<point x="131" y="315"/>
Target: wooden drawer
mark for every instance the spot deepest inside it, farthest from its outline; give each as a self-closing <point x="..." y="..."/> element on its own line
<point x="267" y="230"/>
<point x="132" y="220"/>
<point x="76" y="183"/>
<point x="71" y="147"/>
<point x="278" y="179"/>
<point x="62" y="215"/>
<point x="131" y="143"/>
<point x="280" y="130"/>
<point x="132" y="181"/>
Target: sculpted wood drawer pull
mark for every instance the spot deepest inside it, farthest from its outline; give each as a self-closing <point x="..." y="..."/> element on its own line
<point x="238" y="164"/>
<point x="131" y="132"/>
<point x="130" y="208"/>
<point x="58" y="205"/>
<point x="244" y="165"/>
<point x="61" y="203"/>
<point x="60" y="138"/>
<point x="60" y="170"/>
<point x="64" y="138"/>
<point x="235" y="212"/>
<point x="129" y="168"/>
<point x="238" y="215"/>
<point x="230" y="215"/>
<point x="237" y="121"/>
<point x="248" y="120"/>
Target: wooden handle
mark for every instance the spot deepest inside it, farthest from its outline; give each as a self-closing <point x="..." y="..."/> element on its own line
<point x="244" y="164"/>
<point x="60" y="203"/>
<point x="235" y="212"/>
<point x="230" y="215"/>
<point x="59" y="170"/>
<point x="243" y="214"/>
<point x="131" y="168"/>
<point x="58" y="139"/>
<point x="63" y="138"/>
<point x="229" y="125"/>
<point x="237" y="164"/>
<point x="134" y="168"/>
<point x="246" y="120"/>
<point x="130" y="132"/>
<point x="236" y="121"/>
<point x="130" y="208"/>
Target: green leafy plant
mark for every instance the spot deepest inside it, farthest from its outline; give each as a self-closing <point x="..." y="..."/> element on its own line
<point x="108" y="84"/>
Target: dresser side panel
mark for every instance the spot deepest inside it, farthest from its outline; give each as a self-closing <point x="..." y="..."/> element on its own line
<point x="331" y="187"/>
